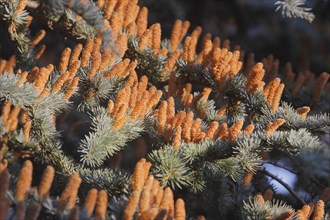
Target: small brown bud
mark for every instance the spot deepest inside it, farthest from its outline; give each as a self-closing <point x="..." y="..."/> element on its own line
<point x="180" y="211"/>
<point x="90" y="202"/>
<point x="247" y="178"/>
<point x="65" y="57"/>
<point x="142" y="21"/>
<point x="101" y="205"/>
<point x="24" y="181"/>
<point x="131" y="206"/>
<point x="268" y="195"/>
<point x="177" y="138"/>
<point x="235" y="129"/>
<point x="285" y="215"/>
<point x="68" y="196"/>
<point x="303" y="111"/>
<point x="138" y="176"/>
<point x="319" y="210"/>
<point x="273" y="126"/>
<point x="46" y="182"/>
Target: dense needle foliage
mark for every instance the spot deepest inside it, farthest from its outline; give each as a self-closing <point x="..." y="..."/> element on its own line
<point x="127" y="124"/>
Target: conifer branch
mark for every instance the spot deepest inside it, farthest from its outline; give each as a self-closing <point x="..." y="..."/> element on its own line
<point x="293" y="8"/>
<point x="284" y="184"/>
<point x="294" y="142"/>
<point x="150" y="64"/>
<point x="105" y="140"/>
<point x="97" y="89"/>
<point x="22" y="96"/>
<point x="16" y="17"/>
<point x="258" y="208"/>
<point x="205" y="124"/>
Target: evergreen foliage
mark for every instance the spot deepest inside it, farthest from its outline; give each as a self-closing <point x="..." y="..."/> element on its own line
<point x="207" y="123"/>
